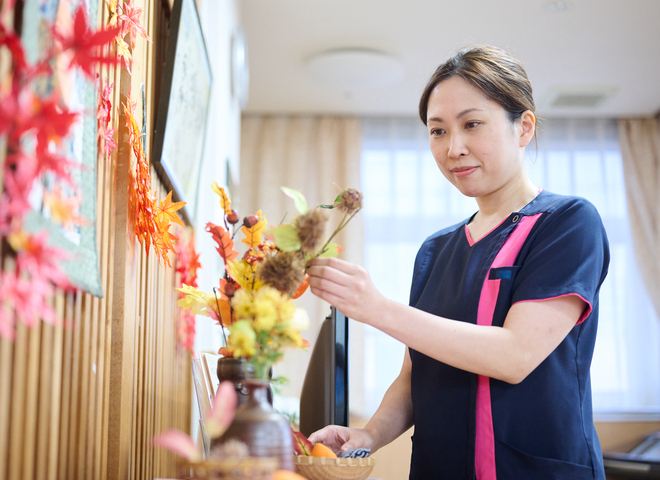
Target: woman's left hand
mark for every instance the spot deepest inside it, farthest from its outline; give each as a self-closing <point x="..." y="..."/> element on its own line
<point x="346" y="286"/>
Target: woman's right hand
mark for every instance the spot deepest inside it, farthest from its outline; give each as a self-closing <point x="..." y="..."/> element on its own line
<point x="340" y="439"/>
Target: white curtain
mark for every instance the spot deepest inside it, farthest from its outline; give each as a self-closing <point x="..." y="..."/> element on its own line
<point x="319" y="156"/>
<point x="407" y="199"/>
<point x="640" y="149"/>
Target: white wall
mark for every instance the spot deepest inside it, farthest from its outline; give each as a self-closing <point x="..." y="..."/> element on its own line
<point x="219" y="20"/>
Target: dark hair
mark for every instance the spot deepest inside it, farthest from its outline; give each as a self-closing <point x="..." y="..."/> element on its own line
<point x="500" y="77"/>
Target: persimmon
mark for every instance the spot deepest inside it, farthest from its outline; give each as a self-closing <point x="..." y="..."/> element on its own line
<point x="287" y="475"/>
<point x="320" y="450"/>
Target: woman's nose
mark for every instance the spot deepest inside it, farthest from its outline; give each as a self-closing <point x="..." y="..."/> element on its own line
<point x="457" y="146"/>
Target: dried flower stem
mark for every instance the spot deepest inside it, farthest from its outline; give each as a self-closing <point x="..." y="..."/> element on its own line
<point x="341" y="225"/>
<point x="222" y="325"/>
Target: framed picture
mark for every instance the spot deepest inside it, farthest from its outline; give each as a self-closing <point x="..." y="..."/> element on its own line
<point x="183" y="107"/>
<point x="77" y="93"/>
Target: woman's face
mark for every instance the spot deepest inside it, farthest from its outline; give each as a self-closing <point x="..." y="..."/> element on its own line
<point x="472" y="140"/>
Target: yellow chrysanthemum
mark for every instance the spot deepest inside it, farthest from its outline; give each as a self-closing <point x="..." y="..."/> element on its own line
<point x="269" y="294"/>
<point x="265" y="314"/>
<point x="286" y="311"/>
<point x="293" y="337"/>
<point x="242" y="339"/>
<point x="242" y="303"/>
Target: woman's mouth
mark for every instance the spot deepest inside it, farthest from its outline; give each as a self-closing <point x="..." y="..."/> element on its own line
<point x="463" y="171"/>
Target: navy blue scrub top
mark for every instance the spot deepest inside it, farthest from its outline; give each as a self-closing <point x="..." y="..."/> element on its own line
<point x="468" y="426"/>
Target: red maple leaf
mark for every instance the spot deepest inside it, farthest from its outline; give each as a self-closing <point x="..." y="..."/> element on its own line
<point x="187" y="262"/>
<point x="104" y="114"/>
<point x="20" y="173"/>
<point x="16" y="112"/>
<point x="224" y="241"/>
<point x="51" y="121"/>
<point x="131" y="22"/>
<point x="85" y="45"/>
<point x="186" y="330"/>
<point x="108" y="142"/>
<point x="21" y="112"/>
<point x="42" y="261"/>
<point x="48" y="161"/>
<point x="27" y="297"/>
<point x="23" y="72"/>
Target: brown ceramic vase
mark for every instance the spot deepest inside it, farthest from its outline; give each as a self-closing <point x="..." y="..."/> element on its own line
<point x="236" y="370"/>
<point x="265" y="432"/>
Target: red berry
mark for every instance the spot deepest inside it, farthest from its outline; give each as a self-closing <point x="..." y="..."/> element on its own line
<point x="233" y="217"/>
<point x="250" y="221"/>
<point x="230" y="289"/>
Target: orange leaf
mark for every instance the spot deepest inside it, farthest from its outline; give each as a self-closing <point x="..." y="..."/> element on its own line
<point x="224" y="241"/>
<point x="225" y="312"/>
<point x="301" y="288"/>
<point x="225" y="203"/>
<point x="167" y="209"/>
<point x="226" y="352"/>
<point x="254" y="234"/>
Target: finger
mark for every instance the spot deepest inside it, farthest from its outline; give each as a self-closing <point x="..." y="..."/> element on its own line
<point x="348" y="446"/>
<point x="335" y="263"/>
<point x="328" y="296"/>
<point x="319" y="435"/>
<point x="326" y="278"/>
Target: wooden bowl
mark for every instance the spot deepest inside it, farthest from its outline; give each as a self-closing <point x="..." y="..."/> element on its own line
<point x="254" y="468"/>
<point x="321" y="468"/>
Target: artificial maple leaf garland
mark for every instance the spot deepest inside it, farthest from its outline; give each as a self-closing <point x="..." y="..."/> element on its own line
<point x="25" y="291"/>
<point x="24" y="116"/>
<point x="85" y="44"/>
<point x="130" y="17"/>
<point x="151" y="222"/>
<point x="105" y="135"/>
<point x="187" y="264"/>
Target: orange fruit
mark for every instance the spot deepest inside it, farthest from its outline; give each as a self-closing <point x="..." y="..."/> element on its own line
<point x="287" y="475"/>
<point x="320" y="450"/>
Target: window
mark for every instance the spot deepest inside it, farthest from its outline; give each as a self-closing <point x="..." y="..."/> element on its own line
<point x="407" y="199"/>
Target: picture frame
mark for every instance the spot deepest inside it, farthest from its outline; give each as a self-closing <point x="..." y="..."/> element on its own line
<point x="77" y="93"/>
<point x="183" y="106"/>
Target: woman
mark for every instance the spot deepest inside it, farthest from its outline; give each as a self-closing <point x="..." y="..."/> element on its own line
<point x="503" y="308"/>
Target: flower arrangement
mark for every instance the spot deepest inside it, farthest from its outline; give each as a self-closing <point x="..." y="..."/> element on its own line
<point x="257" y="288"/>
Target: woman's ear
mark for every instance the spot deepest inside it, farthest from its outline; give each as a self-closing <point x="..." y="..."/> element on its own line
<point x="527" y="124"/>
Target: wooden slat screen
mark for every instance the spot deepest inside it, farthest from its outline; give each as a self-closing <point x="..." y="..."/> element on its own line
<point x="83" y="399"/>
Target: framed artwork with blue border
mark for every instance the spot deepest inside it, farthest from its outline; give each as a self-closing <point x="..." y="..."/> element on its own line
<point x="77" y="93"/>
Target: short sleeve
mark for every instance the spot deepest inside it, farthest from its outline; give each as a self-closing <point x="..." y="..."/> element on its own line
<point x="568" y="254"/>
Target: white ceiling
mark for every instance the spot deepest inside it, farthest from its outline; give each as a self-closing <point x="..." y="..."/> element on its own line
<point x="592" y="44"/>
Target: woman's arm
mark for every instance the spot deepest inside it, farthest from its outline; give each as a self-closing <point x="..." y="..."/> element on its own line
<point x="531" y="331"/>
<point x="393" y="417"/>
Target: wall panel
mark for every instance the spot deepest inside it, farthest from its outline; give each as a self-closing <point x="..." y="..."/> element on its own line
<point x="82" y="399"/>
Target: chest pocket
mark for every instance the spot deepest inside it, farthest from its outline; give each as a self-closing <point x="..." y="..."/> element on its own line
<point x="506" y="277"/>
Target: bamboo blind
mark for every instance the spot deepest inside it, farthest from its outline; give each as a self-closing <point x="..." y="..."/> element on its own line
<point x="83" y="399"/>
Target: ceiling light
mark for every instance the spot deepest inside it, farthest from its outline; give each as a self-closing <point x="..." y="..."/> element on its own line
<point x="579" y="97"/>
<point x="355" y="69"/>
<point x="557" y="6"/>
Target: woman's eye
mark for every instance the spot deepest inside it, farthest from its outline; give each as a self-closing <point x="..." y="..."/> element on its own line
<point x="436" y="131"/>
<point x="470" y="125"/>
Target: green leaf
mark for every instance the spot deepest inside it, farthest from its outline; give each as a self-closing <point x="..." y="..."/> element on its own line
<point x="329" y="207"/>
<point x="298" y="199"/>
<point x="286" y="238"/>
<point x="332" y="250"/>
